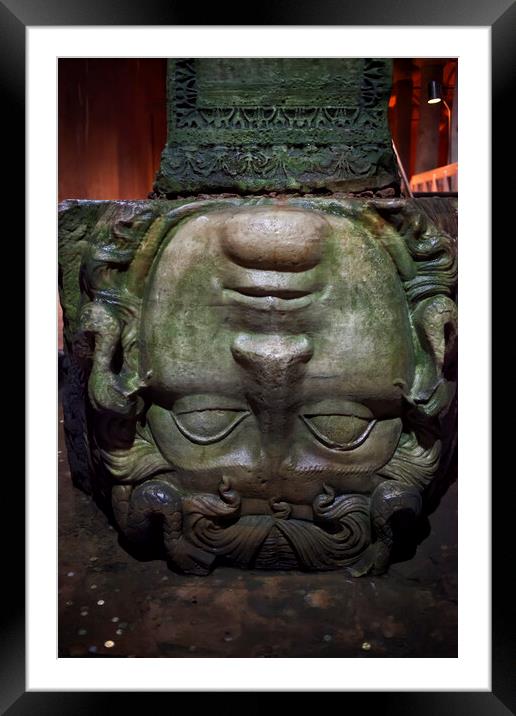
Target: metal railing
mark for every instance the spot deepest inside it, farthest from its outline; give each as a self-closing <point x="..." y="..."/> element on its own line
<point x="440" y="179"/>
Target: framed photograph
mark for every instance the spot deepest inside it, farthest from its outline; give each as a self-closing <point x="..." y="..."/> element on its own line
<point x="35" y="678"/>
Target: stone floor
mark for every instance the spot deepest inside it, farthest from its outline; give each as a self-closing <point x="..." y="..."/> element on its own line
<point x="111" y="604"/>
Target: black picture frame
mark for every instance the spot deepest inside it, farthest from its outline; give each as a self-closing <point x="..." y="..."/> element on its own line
<point x="500" y="16"/>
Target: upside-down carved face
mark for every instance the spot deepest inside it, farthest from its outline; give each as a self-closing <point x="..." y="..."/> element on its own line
<point x="276" y="342"/>
<point x="278" y="357"/>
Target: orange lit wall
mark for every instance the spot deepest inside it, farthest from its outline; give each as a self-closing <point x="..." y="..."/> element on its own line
<point x="112" y="127"/>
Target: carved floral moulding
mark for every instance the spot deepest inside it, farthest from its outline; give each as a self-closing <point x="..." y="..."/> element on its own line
<point x="260" y="382"/>
<point x="277" y="124"/>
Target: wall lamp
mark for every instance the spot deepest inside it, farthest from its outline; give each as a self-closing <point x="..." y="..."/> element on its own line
<point x="435" y="95"/>
<point x="435" y="92"/>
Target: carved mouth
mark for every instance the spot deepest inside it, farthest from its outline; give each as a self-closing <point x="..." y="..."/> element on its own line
<point x="267" y="298"/>
<point x="262" y="291"/>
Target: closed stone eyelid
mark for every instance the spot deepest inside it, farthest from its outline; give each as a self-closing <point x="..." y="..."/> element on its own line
<point x="332" y="443"/>
<point x="208" y="440"/>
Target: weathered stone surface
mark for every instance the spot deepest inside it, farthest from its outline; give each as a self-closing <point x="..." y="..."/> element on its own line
<point x="259" y="382"/>
<point x="277" y="124"/>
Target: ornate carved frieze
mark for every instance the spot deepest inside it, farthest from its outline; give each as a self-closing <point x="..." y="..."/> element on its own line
<point x="272" y="124"/>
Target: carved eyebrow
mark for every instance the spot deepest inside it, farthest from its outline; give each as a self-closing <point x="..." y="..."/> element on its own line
<point x="336" y="406"/>
<point x="211" y="408"/>
<point x="207" y="401"/>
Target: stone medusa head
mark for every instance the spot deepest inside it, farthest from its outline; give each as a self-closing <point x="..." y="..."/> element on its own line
<point x="265" y="378"/>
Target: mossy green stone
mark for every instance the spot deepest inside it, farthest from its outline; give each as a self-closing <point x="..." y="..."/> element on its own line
<point x="277" y="124"/>
<point x="263" y="379"/>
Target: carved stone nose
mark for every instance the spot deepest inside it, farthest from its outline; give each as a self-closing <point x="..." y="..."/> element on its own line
<point x="275" y="239"/>
<point x="273" y="366"/>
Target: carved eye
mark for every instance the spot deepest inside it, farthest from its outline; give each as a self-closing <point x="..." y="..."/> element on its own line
<point x="339" y="432"/>
<point x="209" y="425"/>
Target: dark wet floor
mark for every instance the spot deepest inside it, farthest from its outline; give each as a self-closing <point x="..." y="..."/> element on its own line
<point x="111" y="604"/>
